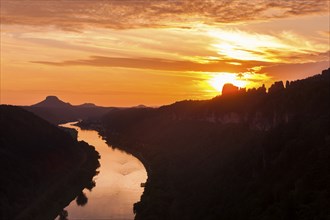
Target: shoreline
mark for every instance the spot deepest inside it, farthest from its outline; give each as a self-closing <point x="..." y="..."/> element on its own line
<point x="146" y="164"/>
<point x="99" y="129"/>
<point x="68" y="189"/>
<point x="44" y="167"/>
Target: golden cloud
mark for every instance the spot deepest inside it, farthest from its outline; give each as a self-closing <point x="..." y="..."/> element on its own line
<point x="74" y="14"/>
<point x="159" y="64"/>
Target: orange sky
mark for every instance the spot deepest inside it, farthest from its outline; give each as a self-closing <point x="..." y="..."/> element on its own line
<point x="124" y="53"/>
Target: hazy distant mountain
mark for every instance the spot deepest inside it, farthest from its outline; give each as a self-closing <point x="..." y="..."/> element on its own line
<point x="140" y="106"/>
<point x="52" y="102"/>
<point x="87" y="105"/>
<point x="57" y="111"/>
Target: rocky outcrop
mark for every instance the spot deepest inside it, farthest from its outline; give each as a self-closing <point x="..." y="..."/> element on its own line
<point x="229" y="88"/>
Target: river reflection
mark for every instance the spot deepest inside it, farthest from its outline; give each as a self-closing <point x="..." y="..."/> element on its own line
<point x="117" y="185"/>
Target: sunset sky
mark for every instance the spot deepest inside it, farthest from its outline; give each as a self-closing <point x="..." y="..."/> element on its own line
<point x="154" y="52"/>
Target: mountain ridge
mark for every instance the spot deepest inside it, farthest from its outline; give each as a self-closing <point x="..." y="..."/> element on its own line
<point x="52" y="102"/>
<point x="249" y="155"/>
<point x="57" y="111"/>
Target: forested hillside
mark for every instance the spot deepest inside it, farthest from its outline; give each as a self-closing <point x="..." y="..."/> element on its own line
<point x="43" y="168"/>
<point x="247" y="155"/>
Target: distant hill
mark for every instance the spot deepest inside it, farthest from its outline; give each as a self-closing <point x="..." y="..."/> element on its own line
<point x="140" y="106"/>
<point x="249" y="155"/>
<point x="57" y="111"/>
<point x="52" y="102"/>
<point x="42" y="167"/>
<point x="87" y="105"/>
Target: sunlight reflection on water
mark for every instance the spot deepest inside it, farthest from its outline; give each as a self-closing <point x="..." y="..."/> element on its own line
<point x="117" y="185"/>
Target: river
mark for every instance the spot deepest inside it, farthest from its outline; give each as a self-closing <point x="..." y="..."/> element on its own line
<point x="117" y="185"/>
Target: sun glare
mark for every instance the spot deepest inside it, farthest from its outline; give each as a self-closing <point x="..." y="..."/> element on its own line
<point x="220" y="79"/>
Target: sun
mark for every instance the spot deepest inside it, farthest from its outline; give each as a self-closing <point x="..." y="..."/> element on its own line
<point x="220" y="79"/>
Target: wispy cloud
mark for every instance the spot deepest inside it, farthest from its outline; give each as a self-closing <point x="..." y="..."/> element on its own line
<point x="159" y="64"/>
<point x="283" y="71"/>
<point x="284" y="47"/>
<point x="123" y="14"/>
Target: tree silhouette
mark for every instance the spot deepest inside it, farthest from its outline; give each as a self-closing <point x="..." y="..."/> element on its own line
<point x="63" y="215"/>
<point x="81" y="199"/>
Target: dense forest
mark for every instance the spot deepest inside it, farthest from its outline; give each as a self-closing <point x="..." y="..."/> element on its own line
<point x="246" y="155"/>
<point x="43" y="168"/>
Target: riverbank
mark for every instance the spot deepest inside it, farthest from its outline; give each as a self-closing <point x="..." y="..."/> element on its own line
<point x="118" y="184"/>
<point x="43" y="167"/>
<point x="102" y="132"/>
<point x="61" y="193"/>
<point x="251" y="155"/>
<point x="114" y="142"/>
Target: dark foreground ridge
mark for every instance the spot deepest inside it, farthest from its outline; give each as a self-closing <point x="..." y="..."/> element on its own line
<point x="245" y="155"/>
<point x="43" y="168"/>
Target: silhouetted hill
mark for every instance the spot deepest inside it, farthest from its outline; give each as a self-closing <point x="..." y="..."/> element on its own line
<point x="42" y="167"/>
<point x="56" y="111"/>
<point x="140" y="106"/>
<point x="250" y="155"/>
<point x="52" y="102"/>
<point x="87" y="105"/>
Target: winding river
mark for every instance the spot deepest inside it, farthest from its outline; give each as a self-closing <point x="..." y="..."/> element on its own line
<point x="117" y="185"/>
